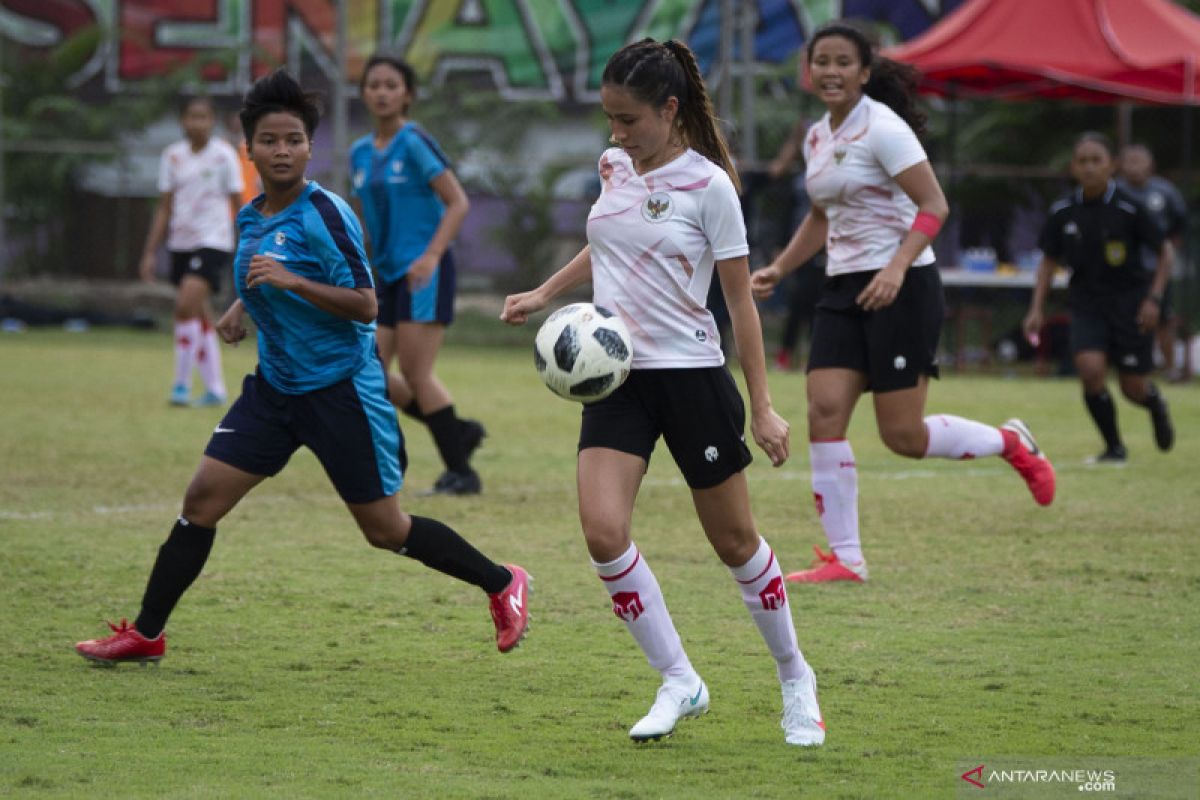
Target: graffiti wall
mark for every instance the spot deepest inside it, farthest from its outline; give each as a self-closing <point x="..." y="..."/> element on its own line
<point x="543" y="49"/>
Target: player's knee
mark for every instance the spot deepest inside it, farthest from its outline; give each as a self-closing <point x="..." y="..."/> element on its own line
<point x="824" y="418"/>
<point x="606" y="539"/>
<point x="738" y="547"/>
<point x="910" y="442"/>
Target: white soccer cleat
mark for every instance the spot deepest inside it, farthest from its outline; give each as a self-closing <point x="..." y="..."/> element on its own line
<point x="674" y="702"/>
<point x="802" y="723"/>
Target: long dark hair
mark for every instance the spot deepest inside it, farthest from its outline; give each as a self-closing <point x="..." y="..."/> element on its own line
<point x="400" y="65"/>
<point x="655" y="71"/>
<point x="275" y="93"/>
<point x="891" y="83"/>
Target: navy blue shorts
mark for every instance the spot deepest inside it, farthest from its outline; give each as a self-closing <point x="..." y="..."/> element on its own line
<point x="698" y="412"/>
<point x="434" y="302"/>
<point x="893" y="346"/>
<point x="205" y="263"/>
<point x="350" y="426"/>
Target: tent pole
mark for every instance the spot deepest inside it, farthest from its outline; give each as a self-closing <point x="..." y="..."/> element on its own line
<point x="1188" y="254"/>
<point x="952" y="164"/>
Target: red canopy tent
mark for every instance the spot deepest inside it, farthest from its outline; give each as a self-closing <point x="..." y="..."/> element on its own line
<point x="1093" y="50"/>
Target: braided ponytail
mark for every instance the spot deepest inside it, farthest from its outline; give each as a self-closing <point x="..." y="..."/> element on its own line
<point x="699" y="120"/>
<point x="653" y="72"/>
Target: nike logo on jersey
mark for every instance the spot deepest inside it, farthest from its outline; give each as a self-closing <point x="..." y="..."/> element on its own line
<point x="219" y="429"/>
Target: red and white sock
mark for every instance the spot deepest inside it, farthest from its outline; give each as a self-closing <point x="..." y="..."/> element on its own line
<point x="958" y="438"/>
<point x="639" y="603"/>
<point x="763" y="592"/>
<point x="208" y="361"/>
<point x="187" y="341"/>
<point x="835" y="491"/>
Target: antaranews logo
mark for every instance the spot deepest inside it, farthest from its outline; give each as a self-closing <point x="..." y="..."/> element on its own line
<point x="1020" y="777"/>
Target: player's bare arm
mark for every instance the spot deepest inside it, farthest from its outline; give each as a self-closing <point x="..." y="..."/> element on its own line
<point x="578" y="271"/>
<point x="770" y="431"/>
<point x="805" y="243"/>
<point x="920" y="184"/>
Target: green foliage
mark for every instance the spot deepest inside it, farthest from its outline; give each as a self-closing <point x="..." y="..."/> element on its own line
<point x="69" y="127"/>
<point x="304" y="664"/>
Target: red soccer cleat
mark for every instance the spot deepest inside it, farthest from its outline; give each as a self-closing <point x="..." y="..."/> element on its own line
<point x="126" y="644"/>
<point x="829" y="569"/>
<point x="1022" y="452"/>
<point x="510" y="609"/>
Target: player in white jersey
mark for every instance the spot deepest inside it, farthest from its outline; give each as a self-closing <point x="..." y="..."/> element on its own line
<point x="200" y="185"/>
<point x="666" y="220"/>
<point x="876" y="206"/>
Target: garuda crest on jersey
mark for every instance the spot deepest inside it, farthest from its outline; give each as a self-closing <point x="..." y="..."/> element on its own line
<point x="657" y="207"/>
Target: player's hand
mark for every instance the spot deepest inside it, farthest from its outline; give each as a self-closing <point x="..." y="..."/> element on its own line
<point x="763" y="281"/>
<point x="266" y="270"/>
<point x="421" y="271"/>
<point x="882" y="290"/>
<point x="518" y="307"/>
<point x="770" y="432"/>
<point x="146" y="267"/>
<point x="1031" y="326"/>
<point x="229" y="327"/>
<point x="1148" y="316"/>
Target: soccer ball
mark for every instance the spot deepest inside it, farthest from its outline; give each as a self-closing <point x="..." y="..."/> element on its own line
<point x="583" y="352"/>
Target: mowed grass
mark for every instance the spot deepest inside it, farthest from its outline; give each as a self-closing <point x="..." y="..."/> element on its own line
<point x="303" y="663"/>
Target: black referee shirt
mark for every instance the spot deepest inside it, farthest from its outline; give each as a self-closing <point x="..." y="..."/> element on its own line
<point x="1101" y="242"/>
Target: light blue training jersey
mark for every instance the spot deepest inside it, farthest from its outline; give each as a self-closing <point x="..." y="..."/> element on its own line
<point x="400" y="208"/>
<point x="300" y="347"/>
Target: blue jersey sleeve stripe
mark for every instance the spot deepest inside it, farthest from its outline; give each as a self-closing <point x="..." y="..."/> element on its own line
<point x="432" y="144"/>
<point x="342" y="238"/>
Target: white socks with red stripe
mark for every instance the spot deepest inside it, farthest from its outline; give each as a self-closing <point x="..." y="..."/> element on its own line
<point x="187" y="342"/>
<point x="638" y="601"/>
<point x="835" y="491"/>
<point x="958" y="438"/>
<point x="208" y="361"/>
<point x="761" y="582"/>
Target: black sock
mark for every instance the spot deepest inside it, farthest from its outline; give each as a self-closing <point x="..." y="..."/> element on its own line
<point x="444" y="426"/>
<point x="413" y="409"/>
<point x="1104" y="414"/>
<point x="179" y="561"/>
<point x="438" y="547"/>
<point x="1153" y="400"/>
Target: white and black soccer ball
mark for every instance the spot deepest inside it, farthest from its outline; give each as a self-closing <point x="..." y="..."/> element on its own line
<point x="583" y="352"/>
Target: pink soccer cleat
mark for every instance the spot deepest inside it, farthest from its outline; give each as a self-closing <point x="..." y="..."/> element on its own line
<point x="1022" y="452"/>
<point x="510" y="609"/>
<point x="126" y="644"/>
<point x="828" y="568"/>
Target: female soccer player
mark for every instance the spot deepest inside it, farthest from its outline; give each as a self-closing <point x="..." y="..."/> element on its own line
<point x="876" y="206"/>
<point x="1100" y="231"/>
<point x="200" y="182"/>
<point x="301" y="272"/>
<point x="668" y="217"/>
<point x="412" y="207"/>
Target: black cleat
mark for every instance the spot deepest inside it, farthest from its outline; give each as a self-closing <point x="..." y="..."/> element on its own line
<point x="1113" y="455"/>
<point x="1164" y="431"/>
<point x="457" y="483"/>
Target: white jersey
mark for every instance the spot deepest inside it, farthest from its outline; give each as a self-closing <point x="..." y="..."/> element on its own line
<point x="850" y="176"/>
<point x="655" y="239"/>
<point x="200" y="184"/>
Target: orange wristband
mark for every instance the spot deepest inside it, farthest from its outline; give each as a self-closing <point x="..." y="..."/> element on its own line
<point x="927" y="224"/>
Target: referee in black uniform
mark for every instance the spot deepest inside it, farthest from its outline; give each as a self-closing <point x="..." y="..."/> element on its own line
<point x="1099" y="232"/>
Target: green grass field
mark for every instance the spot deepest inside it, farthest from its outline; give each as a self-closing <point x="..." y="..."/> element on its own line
<point x="305" y="664"/>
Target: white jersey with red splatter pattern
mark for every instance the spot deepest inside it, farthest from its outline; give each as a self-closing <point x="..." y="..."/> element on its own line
<point x="850" y="175"/>
<point x="655" y="240"/>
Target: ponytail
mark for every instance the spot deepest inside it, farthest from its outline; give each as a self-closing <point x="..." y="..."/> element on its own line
<point x="653" y="72"/>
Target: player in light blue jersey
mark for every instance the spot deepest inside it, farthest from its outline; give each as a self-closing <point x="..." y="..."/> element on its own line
<point x="412" y="206"/>
<point x="301" y="273"/>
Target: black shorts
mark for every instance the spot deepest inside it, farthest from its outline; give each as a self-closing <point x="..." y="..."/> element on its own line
<point x="698" y="412"/>
<point x="433" y="302"/>
<point x="205" y="263"/>
<point x="893" y="346"/>
<point x="350" y="426"/>
<point x="1109" y="325"/>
